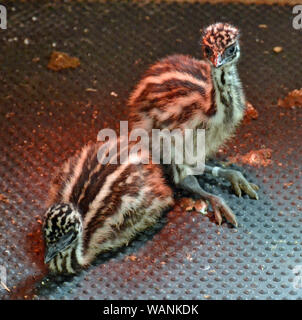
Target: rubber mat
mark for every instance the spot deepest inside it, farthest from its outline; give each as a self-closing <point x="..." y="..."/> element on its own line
<point x="45" y="116"/>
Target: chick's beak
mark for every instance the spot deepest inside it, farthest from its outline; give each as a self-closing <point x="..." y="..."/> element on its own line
<point x="50" y="253"/>
<point x="62" y="244"/>
<point x="217" y="60"/>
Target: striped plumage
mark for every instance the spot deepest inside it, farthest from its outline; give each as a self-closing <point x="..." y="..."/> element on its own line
<point x="96" y="207"/>
<point x="180" y="92"/>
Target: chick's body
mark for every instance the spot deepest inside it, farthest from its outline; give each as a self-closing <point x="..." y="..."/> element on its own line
<point x="180" y="92"/>
<point x="96" y="207"/>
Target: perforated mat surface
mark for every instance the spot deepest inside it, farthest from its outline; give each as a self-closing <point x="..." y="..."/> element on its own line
<point x="45" y="116"/>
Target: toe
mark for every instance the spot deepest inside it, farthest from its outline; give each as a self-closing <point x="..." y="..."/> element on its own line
<point x="249" y="190"/>
<point x="237" y="189"/>
<point x="254" y="186"/>
<point x="218" y="217"/>
<point x="229" y="215"/>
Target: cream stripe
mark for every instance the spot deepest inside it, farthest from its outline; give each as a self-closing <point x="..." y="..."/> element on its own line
<point x="77" y="171"/>
<point x="162" y="78"/>
<point x="68" y="261"/>
<point x="105" y="190"/>
<point x="176" y="107"/>
<point x="52" y="265"/>
<point x="59" y="262"/>
<point x="128" y="204"/>
<point x="98" y="167"/>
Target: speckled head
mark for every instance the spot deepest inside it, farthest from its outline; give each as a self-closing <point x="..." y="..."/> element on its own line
<point x="220" y="44"/>
<point x="62" y="228"/>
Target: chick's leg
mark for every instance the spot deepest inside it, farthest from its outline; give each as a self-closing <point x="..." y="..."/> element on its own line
<point x="190" y="183"/>
<point x="238" y="181"/>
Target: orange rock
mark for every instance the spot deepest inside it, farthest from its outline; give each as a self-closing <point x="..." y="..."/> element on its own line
<point x="293" y="99"/>
<point x="61" y="60"/>
<point x="3" y="198"/>
<point x="187" y="204"/>
<point x="260" y="157"/>
<point x="201" y="206"/>
<point x="250" y="113"/>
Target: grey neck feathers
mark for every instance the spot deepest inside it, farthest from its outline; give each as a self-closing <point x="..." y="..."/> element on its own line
<point x="225" y="78"/>
<point x="229" y="94"/>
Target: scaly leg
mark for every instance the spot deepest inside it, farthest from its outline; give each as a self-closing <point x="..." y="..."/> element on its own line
<point x="237" y="180"/>
<point x="190" y="183"/>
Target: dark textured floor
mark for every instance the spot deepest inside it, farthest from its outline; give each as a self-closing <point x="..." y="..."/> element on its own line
<point x="45" y="116"/>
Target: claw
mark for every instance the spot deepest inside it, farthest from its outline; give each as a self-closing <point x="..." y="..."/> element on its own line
<point x="248" y="190"/>
<point x="239" y="183"/>
<point x="254" y="186"/>
<point x="218" y="217"/>
<point x="231" y="218"/>
<point x="237" y="189"/>
<point x="221" y="209"/>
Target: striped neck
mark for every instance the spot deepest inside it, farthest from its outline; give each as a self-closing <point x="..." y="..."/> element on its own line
<point x="225" y="76"/>
<point x="68" y="261"/>
<point x="229" y="96"/>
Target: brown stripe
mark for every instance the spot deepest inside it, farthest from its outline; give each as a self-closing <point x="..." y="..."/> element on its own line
<point x="64" y="264"/>
<point x="174" y="88"/>
<point x="89" y="164"/>
<point x="229" y="110"/>
<point x="74" y="261"/>
<point x="97" y="179"/>
<point x="167" y="86"/>
<point x="213" y="108"/>
<point x="180" y="63"/>
<point x="61" y="178"/>
<point x="111" y="203"/>
<point x="96" y="183"/>
<point x="187" y="113"/>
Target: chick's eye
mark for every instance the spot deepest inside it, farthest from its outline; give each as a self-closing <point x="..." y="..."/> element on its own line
<point x="231" y="49"/>
<point x="208" y="51"/>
